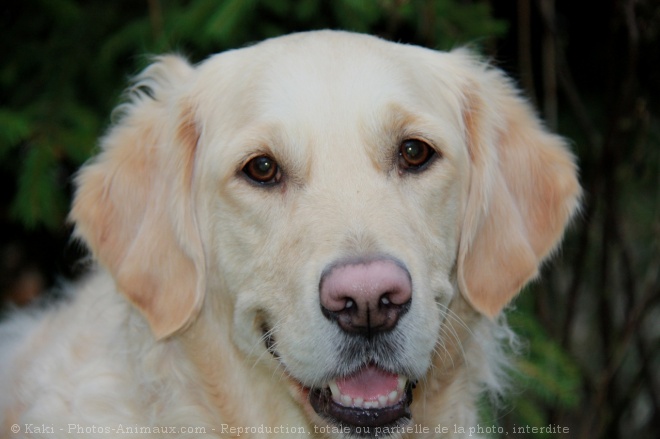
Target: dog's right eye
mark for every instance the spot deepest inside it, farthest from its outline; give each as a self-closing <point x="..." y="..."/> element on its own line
<point x="263" y="170"/>
<point x="415" y="155"/>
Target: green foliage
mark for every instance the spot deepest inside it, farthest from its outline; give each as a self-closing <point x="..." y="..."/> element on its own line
<point x="546" y="371"/>
<point x="39" y="198"/>
<point x="545" y="375"/>
<point x="14" y="129"/>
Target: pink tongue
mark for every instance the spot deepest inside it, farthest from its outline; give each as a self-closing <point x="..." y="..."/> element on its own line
<point x="368" y="384"/>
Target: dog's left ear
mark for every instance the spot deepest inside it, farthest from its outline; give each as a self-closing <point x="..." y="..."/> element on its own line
<point x="523" y="191"/>
<point x="134" y="205"/>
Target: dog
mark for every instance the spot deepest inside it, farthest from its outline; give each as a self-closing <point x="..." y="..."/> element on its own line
<point x="312" y="236"/>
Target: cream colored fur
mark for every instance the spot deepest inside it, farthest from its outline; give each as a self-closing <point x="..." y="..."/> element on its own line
<point x="194" y="260"/>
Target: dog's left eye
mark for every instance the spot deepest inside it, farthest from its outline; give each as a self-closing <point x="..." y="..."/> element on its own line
<point x="263" y="170"/>
<point x="415" y="155"/>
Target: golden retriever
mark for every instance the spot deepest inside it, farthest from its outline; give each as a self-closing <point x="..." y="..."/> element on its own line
<point x="310" y="237"/>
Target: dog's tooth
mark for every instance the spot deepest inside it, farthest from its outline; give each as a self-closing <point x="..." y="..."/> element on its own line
<point x="346" y="401"/>
<point x="334" y="389"/>
<point x="382" y="400"/>
<point x="358" y="402"/>
<point x="401" y="383"/>
<point x="370" y="404"/>
<point x="393" y="396"/>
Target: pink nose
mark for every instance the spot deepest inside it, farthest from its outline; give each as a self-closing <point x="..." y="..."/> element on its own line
<point x="366" y="297"/>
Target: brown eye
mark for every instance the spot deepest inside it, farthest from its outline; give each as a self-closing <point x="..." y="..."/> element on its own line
<point x="263" y="170"/>
<point x="414" y="155"/>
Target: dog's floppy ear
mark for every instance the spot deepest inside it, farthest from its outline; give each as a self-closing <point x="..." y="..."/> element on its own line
<point x="134" y="205"/>
<point x="523" y="190"/>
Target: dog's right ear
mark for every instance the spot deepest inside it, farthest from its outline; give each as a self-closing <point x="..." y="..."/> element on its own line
<point x="134" y="205"/>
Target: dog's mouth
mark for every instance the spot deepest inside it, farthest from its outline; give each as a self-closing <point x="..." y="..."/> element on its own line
<point x="367" y="403"/>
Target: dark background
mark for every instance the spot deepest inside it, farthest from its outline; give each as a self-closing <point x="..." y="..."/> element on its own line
<point x="592" y="67"/>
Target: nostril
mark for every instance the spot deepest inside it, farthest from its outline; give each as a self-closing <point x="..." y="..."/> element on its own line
<point x="366" y="296"/>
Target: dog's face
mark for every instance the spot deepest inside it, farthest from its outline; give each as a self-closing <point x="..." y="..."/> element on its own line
<point x="335" y="221"/>
<point x="336" y="192"/>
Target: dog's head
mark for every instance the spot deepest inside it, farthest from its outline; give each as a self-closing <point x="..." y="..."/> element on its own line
<point x="334" y="194"/>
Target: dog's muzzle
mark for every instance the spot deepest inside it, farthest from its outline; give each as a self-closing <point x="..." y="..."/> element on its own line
<point x="365" y="298"/>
